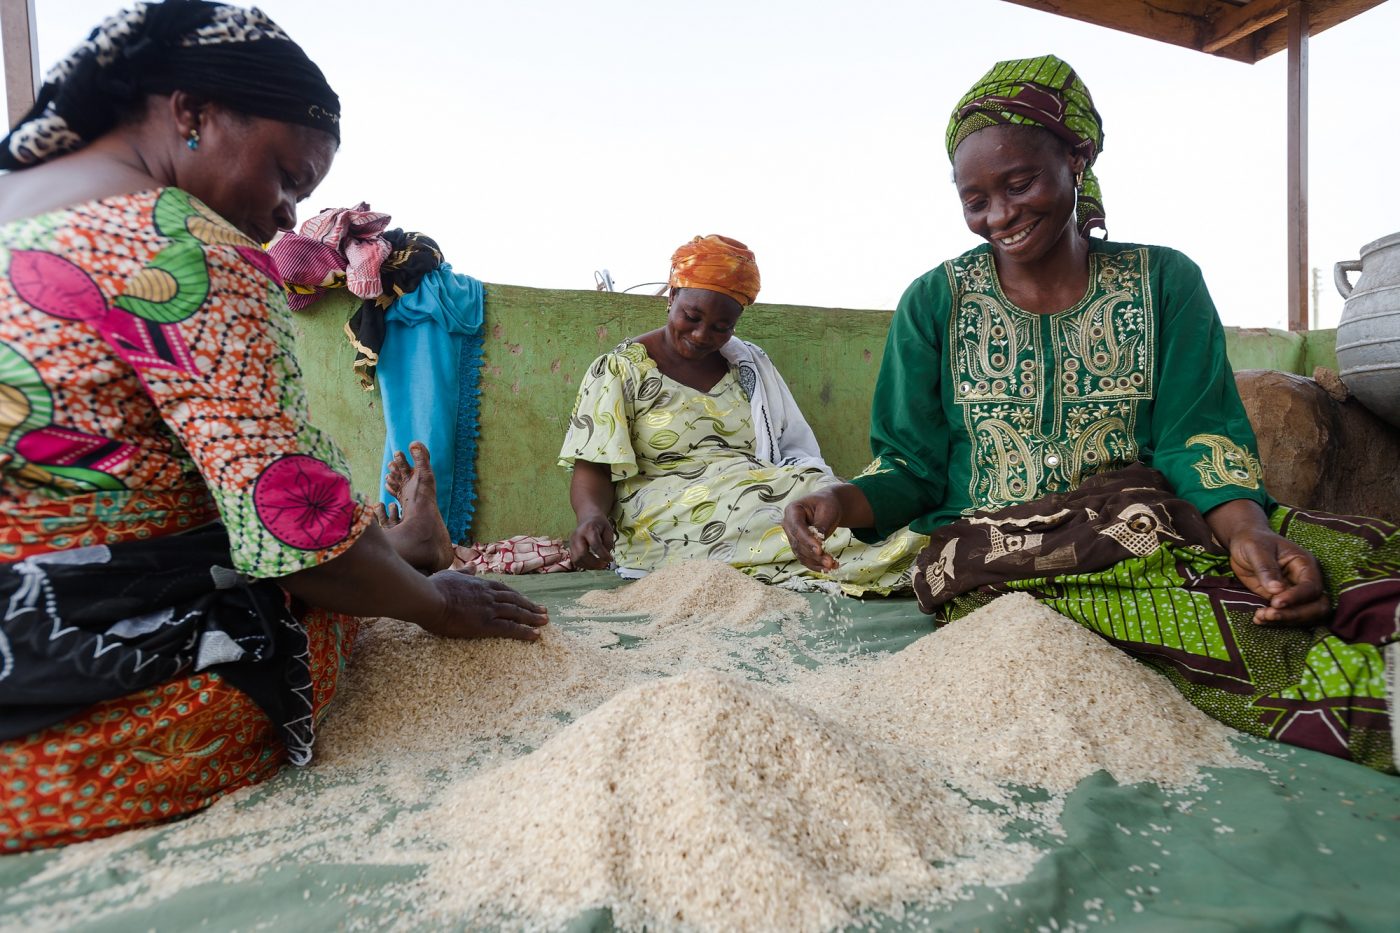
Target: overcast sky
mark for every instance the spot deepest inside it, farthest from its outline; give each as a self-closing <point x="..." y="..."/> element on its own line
<point x="541" y="141"/>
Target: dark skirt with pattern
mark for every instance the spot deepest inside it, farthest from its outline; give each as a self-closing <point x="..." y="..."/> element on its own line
<point x="143" y="680"/>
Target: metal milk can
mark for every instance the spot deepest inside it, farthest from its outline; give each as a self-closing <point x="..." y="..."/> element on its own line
<point x="1368" y="337"/>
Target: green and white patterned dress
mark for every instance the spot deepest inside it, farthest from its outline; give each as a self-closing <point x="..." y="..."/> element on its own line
<point x="688" y="483"/>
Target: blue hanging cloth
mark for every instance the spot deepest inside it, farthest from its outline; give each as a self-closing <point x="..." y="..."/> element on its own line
<point x="430" y="379"/>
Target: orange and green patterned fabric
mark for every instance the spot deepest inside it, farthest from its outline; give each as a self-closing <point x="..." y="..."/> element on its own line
<point x="148" y="389"/>
<point x="147" y="385"/>
<point x="153" y="755"/>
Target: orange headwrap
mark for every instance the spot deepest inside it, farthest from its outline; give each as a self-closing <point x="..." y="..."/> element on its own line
<point x="718" y="264"/>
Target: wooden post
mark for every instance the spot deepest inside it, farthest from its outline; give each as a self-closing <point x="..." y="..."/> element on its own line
<point x="1298" y="165"/>
<point x="21" y="50"/>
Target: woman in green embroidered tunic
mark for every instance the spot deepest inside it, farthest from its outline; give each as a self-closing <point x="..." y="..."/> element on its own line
<point x="1023" y="367"/>
<point x="686" y="443"/>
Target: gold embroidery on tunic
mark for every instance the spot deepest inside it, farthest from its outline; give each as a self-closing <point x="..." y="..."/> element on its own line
<point x="1226" y="463"/>
<point x="877" y="467"/>
<point x="1050" y="399"/>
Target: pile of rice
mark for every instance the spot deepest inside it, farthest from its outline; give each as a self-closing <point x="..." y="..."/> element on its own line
<point x="707" y="802"/>
<point x="408" y="692"/>
<point x="700" y="592"/>
<point x="1016" y="692"/>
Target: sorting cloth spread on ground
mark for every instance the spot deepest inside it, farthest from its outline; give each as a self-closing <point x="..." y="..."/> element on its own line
<point x="1306" y="840"/>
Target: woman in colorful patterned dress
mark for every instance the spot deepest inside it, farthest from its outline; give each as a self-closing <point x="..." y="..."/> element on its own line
<point x="183" y="557"/>
<point x="1058" y="413"/>
<point x="685" y="443"/>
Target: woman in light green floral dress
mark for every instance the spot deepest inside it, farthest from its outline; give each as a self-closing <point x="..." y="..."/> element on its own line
<point x="685" y="444"/>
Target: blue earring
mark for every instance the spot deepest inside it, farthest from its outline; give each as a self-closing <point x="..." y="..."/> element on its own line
<point x="193" y="141"/>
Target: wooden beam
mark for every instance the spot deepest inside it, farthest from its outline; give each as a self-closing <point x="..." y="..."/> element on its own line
<point x="1233" y="24"/>
<point x="1298" y="165"/>
<point x="1322" y="14"/>
<point x="1244" y="32"/>
<point x="1177" y="22"/>
<point x="21" y="50"/>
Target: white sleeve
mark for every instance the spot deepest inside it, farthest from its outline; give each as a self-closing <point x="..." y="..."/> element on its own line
<point x="797" y="444"/>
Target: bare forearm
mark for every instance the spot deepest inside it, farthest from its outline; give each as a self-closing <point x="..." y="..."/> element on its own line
<point x="369" y="580"/>
<point x="1238" y="516"/>
<point x="591" y="491"/>
<point x="855" y="508"/>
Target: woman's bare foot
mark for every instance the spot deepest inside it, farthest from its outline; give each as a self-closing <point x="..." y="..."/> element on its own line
<point x="387" y="517"/>
<point x="398" y="473"/>
<point x="415" y="526"/>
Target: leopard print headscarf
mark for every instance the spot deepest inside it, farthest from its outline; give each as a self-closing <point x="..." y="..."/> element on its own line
<point x="238" y="57"/>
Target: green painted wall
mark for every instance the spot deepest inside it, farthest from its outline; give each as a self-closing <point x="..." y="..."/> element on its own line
<point x="539" y="342"/>
<point x="338" y="405"/>
<point x="1320" y="349"/>
<point x="1263" y="348"/>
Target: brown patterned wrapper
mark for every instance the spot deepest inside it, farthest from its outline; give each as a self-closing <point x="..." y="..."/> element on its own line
<point x="1111" y="516"/>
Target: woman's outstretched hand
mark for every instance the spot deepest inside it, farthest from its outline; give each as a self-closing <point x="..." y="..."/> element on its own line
<point x="477" y="608"/>
<point x="592" y="495"/>
<point x="1282" y="572"/>
<point x="807" y="522"/>
<point x="591" y="544"/>
<point x="1270" y="566"/>
<point x="370" y="579"/>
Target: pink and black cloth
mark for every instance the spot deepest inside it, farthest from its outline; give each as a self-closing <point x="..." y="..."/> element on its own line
<point x="343" y="246"/>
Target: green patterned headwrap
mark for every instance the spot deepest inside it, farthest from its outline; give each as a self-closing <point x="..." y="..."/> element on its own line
<point x="1043" y="92"/>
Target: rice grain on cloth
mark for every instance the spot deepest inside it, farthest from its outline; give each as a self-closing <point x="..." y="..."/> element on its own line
<point x="695" y="801"/>
<point x="708" y="592"/>
<point x="417" y="693"/>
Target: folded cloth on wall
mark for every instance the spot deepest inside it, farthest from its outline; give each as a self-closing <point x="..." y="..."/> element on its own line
<point x="411" y="256"/>
<point x="429" y="375"/>
<point x="343" y="239"/>
<point x="355" y="233"/>
<point x="783" y="435"/>
<point x="519" y="554"/>
<point x="308" y="268"/>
